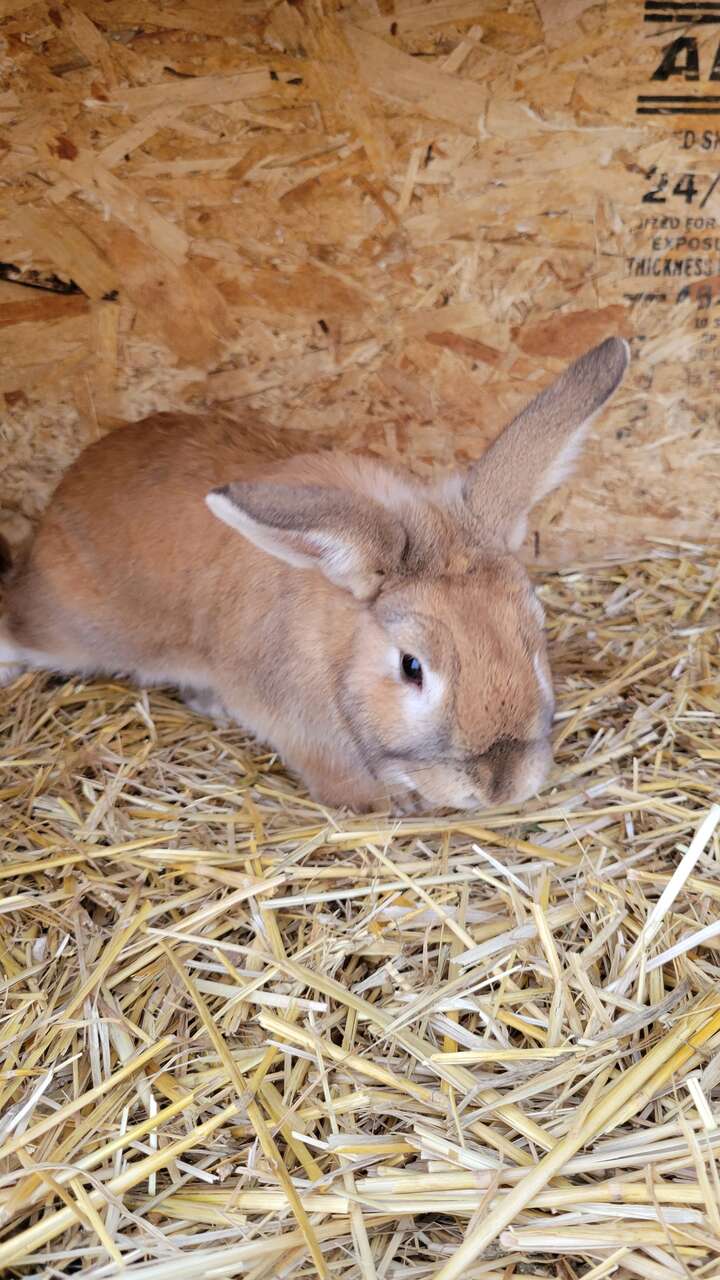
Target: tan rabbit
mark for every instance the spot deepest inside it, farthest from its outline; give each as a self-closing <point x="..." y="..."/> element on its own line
<point x="376" y="630"/>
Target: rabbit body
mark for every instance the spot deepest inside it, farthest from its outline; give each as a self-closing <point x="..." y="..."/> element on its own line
<point x="376" y="630"/>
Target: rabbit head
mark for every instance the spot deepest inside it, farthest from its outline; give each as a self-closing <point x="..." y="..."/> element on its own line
<point x="430" y="635"/>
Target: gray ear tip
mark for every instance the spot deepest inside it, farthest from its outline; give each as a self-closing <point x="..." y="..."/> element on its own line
<point x="617" y="350"/>
<point x="622" y="347"/>
<point x="605" y="365"/>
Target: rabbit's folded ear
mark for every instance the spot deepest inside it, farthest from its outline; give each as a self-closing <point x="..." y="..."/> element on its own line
<point x="354" y="541"/>
<point x="536" y="452"/>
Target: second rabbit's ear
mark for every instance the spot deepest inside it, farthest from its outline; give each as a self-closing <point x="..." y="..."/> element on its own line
<point x="536" y="452"/>
<point x="354" y="541"/>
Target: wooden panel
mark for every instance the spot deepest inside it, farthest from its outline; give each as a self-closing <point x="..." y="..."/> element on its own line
<point x="390" y="225"/>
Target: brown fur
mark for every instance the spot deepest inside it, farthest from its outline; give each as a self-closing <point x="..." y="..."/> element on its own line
<point x="296" y="623"/>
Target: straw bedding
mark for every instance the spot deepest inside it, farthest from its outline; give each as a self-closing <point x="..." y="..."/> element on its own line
<point x="245" y="1036"/>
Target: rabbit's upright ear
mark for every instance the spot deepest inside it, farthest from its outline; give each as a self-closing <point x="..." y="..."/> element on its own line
<point x="354" y="541"/>
<point x="536" y="452"/>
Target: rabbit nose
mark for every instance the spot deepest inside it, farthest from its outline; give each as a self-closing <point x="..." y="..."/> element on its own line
<point x="516" y="769"/>
<point x="500" y="759"/>
<point x="511" y="771"/>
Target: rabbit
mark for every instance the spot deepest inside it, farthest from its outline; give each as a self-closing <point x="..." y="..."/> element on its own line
<point x="377" y="630"/>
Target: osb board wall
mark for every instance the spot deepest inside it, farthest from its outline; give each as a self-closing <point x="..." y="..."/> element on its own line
<point x="388" y="222"/>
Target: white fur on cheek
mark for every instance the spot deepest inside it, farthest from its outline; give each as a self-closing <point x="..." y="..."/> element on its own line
<point x="433" y="688"/>
<point x="419" y="704"/>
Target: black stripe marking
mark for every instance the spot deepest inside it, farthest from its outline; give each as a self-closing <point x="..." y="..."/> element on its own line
<point x="677" y="111"/>
<point x="681" y="19"/>
<point x="666" y="5"/>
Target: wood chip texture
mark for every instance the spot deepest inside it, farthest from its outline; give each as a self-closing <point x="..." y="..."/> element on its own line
<point x="389" y="223"/>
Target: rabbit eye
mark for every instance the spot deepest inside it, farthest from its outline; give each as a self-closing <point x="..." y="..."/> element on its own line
<point x="412" y="670"/>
